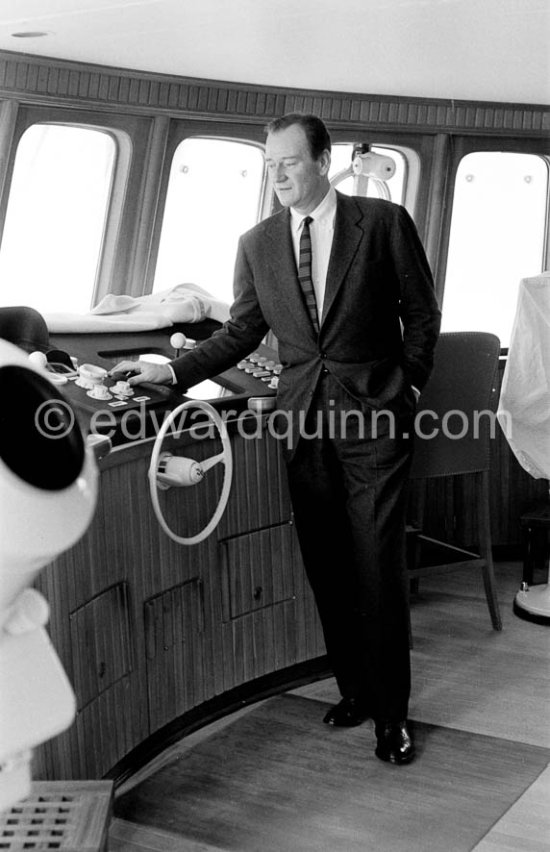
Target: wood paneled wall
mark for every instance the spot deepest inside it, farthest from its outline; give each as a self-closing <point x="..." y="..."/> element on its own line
<point x="41" y="79"/>
<point x="148" y="629"/>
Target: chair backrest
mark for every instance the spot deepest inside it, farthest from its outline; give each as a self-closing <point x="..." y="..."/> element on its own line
<point x="24" y="327"/>
<point x="456" y="416"/>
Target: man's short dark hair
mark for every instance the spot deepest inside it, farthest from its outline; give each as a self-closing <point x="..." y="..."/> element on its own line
<point x="316" y="132"/>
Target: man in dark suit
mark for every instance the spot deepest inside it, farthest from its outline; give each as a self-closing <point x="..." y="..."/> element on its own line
<point x="344" y="285"/>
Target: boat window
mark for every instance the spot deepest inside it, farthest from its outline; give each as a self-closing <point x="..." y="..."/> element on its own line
<point x="56" y="215"/>
<point x="343" y="178"/>
<point x="496" y="239"/>
<point x="214" y="194"/>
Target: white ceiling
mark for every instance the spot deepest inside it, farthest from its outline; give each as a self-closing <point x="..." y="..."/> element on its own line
<point x="463" y="49"/>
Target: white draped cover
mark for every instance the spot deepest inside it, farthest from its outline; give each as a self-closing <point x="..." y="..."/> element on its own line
<point x="524" y="406"/>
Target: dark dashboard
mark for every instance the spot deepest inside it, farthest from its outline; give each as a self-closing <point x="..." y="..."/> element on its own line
<point x="109" y="411"/>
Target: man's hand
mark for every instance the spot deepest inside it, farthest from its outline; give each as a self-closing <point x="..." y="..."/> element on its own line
<point x="143" y="371"/>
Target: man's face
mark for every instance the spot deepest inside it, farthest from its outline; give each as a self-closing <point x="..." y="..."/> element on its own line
<point x="299" y="181"/>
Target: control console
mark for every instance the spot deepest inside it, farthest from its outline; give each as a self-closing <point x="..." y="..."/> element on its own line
<point x="109" y="405"/>
<point x="261" y="366"/>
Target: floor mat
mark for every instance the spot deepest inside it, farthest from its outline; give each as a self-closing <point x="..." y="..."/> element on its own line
<point x="278" y="780"/>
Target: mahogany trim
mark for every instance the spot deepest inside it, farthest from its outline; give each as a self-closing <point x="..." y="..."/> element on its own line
<point x="28" y="78"/>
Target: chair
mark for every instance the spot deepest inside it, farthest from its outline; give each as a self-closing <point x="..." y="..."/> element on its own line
<point x="25" y="328"/>
<point x="454" y="425"/>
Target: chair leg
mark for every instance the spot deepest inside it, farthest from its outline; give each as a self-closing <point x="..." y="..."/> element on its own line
<point x="412" y="556"/>
<point x="418" y="499"/>
<point x="486" y="550"/>
<point x="490" y="592"/>
<point x="417" y="496"/>
<point x="528" y="555"/>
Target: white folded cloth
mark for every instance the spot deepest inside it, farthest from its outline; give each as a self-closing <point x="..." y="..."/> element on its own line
<point x="524" y="406"/>
<point x="182" y="303"/>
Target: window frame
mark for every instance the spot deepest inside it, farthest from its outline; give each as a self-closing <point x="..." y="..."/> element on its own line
<point x="420" y="145"/>
<point x="411" y="177"/>
<point x="167" y="171"/>
<point x="460" y="146"/>
<point x="178" y="131"/>
<point x="130" y="135"/>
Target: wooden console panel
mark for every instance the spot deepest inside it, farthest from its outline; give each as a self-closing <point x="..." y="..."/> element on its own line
<point x="147" y="629"/>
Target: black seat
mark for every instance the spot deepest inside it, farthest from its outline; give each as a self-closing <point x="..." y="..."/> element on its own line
<point x="455" y="422"/>
<point x="24" y="327"/>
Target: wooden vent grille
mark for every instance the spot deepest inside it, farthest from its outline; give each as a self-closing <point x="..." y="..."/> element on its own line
<point x="66" y="816"/>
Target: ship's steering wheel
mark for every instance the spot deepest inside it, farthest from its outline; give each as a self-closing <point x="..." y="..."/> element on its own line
<point x="167" y="470"/>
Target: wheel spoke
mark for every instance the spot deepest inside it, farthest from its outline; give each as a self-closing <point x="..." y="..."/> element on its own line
<point x="225" y="457"/>
<point x="213" y="460"/>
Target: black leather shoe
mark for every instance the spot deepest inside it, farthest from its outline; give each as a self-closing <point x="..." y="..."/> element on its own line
<point x="394" y="742"/>
<point x="347" y="713"/>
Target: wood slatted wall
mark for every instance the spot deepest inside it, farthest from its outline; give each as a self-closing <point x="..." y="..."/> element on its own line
<point x="148" y="629"/>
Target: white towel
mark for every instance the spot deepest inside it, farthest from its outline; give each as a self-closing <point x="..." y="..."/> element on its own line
<point x="524" y="406"/>
<point x="182" y="303"/>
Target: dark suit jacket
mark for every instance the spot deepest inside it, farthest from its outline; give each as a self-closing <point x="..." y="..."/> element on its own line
<point x="380" y="316"/>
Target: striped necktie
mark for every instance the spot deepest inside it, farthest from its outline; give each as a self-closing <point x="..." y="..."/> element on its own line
<point x="304" y="273"/>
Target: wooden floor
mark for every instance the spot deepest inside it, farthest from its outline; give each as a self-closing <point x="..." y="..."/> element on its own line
<point x="466" y="678"/>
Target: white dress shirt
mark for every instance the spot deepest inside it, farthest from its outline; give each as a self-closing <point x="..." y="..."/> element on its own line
<point x="321" y="230"/>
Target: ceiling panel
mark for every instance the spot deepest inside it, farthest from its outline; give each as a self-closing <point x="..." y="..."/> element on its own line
<point x="463" y="49"/>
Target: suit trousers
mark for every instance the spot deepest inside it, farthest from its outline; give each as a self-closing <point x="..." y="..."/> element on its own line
<point x="347" y="481"/>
